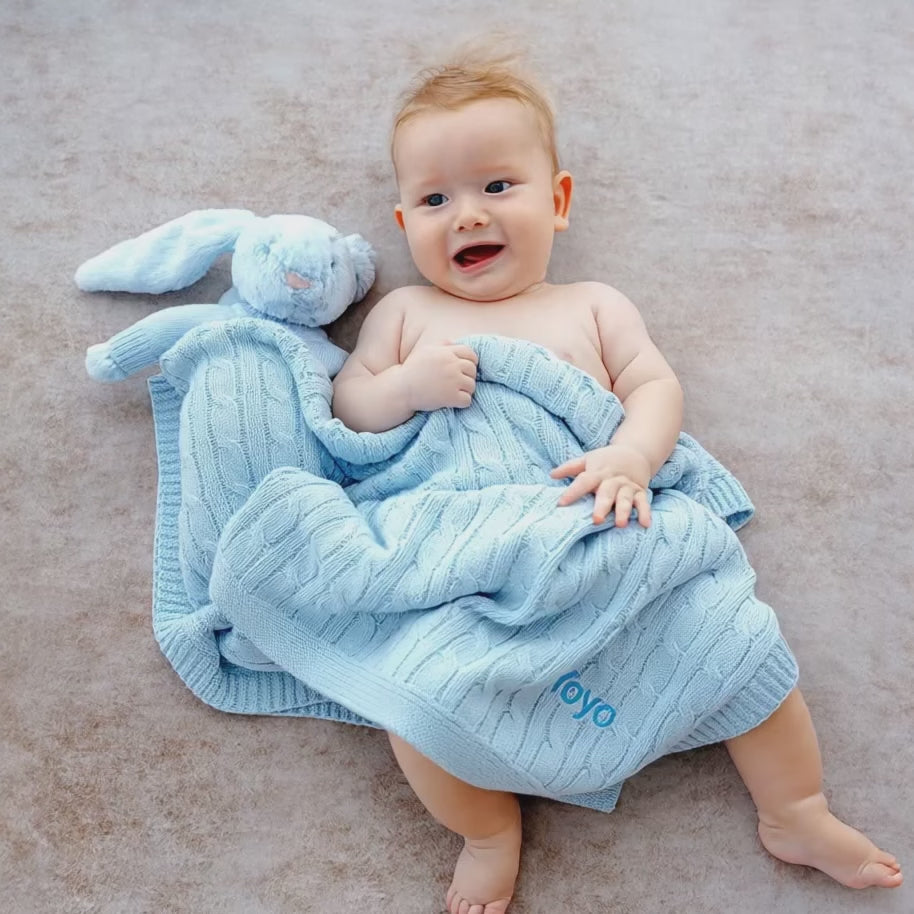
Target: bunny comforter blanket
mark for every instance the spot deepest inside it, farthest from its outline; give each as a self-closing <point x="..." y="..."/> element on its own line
<point x="424" y="580"/>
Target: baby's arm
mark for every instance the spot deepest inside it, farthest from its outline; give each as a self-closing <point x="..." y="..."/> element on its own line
<point x="619" y="473"/>
<point x="375" y="392"/>
<point x="641" y="379"/>
<point x="367" y="392"/>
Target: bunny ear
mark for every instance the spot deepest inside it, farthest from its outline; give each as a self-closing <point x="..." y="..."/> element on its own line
<point x="363" y="260"/>
<point x="173" y="256"/>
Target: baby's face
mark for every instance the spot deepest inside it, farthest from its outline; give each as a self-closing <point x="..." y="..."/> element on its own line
<point x="478" y="200"/>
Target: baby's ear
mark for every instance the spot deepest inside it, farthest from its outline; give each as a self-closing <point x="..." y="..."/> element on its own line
<point x="363" y="262"/>
<point x="562" y="187"/>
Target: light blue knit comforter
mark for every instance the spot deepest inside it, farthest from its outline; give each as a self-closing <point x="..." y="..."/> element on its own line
<point x="424" y="580"/>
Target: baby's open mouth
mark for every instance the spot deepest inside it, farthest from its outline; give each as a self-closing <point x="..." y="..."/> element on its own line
<point x="476" y="254"/>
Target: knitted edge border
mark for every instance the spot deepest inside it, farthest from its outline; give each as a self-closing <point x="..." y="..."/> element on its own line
<point x="184" y="632"/>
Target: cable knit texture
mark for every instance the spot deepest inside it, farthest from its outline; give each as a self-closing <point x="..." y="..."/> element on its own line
<point x="424" y="580"/>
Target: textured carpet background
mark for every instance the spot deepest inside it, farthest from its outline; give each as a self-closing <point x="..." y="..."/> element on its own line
<point x="744" y="174"/>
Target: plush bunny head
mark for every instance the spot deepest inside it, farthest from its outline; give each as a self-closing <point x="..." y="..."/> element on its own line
<point x="290" y="268"/>
<point x="299" y="269"/>
<point x="294" y="270"/>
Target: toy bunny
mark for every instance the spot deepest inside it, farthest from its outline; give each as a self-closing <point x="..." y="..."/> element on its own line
<point x="294" y="270"/>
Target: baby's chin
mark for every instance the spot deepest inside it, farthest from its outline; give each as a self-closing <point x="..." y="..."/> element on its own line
<point x="491" y="294"/>
<point x="483" y="289"/>
<point x="480" y="296"/>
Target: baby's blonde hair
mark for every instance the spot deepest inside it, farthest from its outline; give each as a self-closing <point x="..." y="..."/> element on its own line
<point x="478" y="71"/>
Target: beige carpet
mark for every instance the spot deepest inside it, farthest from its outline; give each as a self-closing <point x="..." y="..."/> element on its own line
<point x="744" y="173"/>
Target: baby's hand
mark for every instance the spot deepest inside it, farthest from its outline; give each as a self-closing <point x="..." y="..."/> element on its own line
<point x="619" y="476"/>
<point x="441" y="375"/>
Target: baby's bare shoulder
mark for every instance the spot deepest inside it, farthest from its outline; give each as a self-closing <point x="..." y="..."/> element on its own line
<point x="597" y="292"/>
<point x="609" y="306"/>
<point x="406" y="299"/>
<point x="397" y="299"/>
<point x="392" y="307"/>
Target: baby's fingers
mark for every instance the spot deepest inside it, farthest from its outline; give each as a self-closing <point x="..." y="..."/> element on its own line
<point x="582" y="485"/>
<point x="603" y="503"/>
<point x="464" y="352"/>
<point x="644" y="508"/>
<point x="625" y="498"/>
<point x="467" y="368"/>
<point x="628" y="497"/>
<point x="568" y="468"/>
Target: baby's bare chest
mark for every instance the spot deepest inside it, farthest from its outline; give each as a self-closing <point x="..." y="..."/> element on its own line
<point x="569" y="332"/>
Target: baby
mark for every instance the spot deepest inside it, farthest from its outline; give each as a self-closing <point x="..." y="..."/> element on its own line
<point x="481" y="198"/>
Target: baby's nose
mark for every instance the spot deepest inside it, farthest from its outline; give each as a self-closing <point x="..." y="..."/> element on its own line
<point x="470" y="216"/>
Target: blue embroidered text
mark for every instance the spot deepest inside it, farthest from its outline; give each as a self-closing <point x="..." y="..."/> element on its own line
<point x="572" y="692"/>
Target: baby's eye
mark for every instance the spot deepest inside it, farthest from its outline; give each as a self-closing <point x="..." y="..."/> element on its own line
<point x="434" y="200"/>
<point x="497" y="187"/>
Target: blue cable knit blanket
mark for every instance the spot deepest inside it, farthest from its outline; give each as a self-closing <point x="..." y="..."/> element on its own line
<point x="423" y="579"/>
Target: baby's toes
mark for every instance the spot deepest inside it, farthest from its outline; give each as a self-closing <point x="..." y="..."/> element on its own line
<point x="459" y="905"/>
<point x="889" y="878"/>
<point x="884" y="871"/>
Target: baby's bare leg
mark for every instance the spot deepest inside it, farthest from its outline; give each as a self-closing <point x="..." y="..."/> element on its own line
<point x="488" y="821"/>
<point x="780" y="763"/>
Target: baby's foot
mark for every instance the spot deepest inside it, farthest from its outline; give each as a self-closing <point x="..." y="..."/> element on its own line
<point x="486" y="872"/>
<point x="812" y="836"/>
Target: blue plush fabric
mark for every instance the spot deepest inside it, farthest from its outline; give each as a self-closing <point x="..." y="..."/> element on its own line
<point x="424" y="580"/>
<point x="290" y="269"/>
<point x="141" y="345"/>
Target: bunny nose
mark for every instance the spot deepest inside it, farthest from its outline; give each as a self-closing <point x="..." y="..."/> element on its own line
<point x="297" y="281"/>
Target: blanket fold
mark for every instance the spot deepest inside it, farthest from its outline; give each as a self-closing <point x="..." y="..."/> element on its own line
<point x="424" y="580"/>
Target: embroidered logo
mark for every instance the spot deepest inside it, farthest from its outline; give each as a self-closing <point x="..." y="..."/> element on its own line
<point x="572" y="692"/>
